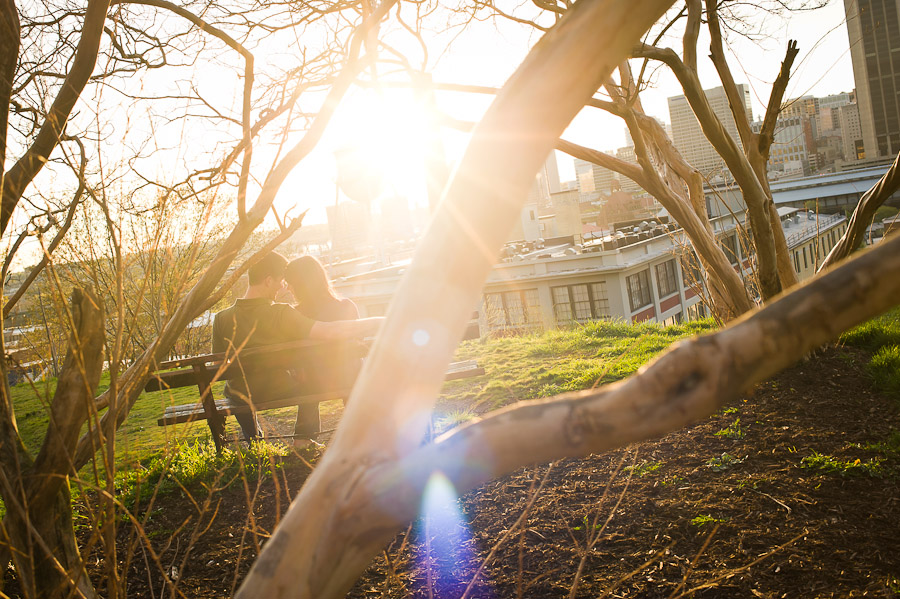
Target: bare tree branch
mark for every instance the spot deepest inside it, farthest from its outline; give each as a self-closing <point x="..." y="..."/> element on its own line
<point x="54" y="243"/>
<point x="29" y="165"/>
<point x="686" y="383"/>
<point x="862" y="216"/>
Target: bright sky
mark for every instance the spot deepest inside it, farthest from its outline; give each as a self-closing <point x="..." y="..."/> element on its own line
<point x="389" y="126"/>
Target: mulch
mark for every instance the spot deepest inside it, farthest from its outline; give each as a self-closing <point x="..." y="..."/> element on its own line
<point x="695" y="513"/>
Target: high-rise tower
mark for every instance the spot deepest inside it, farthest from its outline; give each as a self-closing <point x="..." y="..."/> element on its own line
<point x="874" y="30"/>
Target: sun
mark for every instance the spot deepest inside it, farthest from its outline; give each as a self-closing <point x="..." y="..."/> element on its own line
<point x="380" y="140"/>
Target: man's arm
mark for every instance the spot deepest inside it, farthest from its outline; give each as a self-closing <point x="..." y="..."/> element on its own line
<point x="346" y="329"/>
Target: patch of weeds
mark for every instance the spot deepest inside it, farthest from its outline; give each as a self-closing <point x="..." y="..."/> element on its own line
<point x="723" y="462"/>
<point x="827" y="464"/>
<point x="884" y="368"/>
<point x="704" y="519"/>
<point x="644" y="468"/>
<point x="732" y="431"/>
<point x="191" y="464"/>
<point x="729" y="411"/>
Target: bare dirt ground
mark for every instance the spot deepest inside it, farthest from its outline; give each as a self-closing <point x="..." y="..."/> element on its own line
<point x="738" y="514"/>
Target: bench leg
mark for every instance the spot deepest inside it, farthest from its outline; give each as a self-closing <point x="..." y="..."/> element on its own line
<point x="217" y="428"/>
<point x="213" y="417"/>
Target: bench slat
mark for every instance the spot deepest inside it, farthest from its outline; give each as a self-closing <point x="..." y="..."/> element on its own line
<point x="191" y="412"/>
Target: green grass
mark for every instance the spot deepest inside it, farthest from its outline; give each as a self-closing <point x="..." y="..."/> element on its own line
<point x="884" y="368"/>
<point x="704" y="519"/>
<point x="196" y="464"/>
<point x="545" y="364"/>
<point x="879" y="332"/>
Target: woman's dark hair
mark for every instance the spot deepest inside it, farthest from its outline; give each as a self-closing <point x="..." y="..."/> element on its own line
<point x="312" y="289"/>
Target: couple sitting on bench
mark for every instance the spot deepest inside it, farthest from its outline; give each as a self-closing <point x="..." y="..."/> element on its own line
<point x="258" y="320"/>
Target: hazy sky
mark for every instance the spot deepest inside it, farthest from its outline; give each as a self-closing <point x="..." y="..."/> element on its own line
<point x="389" y="123"/>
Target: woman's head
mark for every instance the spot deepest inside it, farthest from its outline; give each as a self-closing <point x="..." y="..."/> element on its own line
<point x="308" y="281"/>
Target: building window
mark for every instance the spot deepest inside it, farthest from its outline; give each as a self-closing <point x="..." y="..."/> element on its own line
<point x="580" y="302"/>
<point x="512" y="308"/>
<point x="690" y="270"/>
<point x="696" y="311"/>
<point x="805" y="263"/>
<point x="729" y="246"/>
<point x="665" y="278"/>
<point x="639" y="294"/>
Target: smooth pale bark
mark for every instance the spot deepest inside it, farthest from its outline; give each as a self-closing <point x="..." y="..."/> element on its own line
<point x="863" y="215"/>
<point x="754" y="196"/>
<point x="23" y="172"/>
<point x="756" y="145"/>
<point x="322" y="545"/>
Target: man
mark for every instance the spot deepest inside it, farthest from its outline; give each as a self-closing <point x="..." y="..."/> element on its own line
<point x="257" y="320"/>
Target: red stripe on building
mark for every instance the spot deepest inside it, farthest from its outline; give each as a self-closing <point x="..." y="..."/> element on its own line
<point x="645" y="315"/>
<point x="669" y="303"/>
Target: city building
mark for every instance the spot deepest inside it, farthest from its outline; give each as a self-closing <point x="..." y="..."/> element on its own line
<point x="688" y="137"/>
<point x="644" y="272"/>
<point x="873" y="27"/>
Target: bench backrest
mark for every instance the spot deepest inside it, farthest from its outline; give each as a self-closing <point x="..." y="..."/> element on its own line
<point x="227" y="365"/>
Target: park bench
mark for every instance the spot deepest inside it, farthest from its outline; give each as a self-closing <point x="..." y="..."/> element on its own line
<point x="203" y="371"/>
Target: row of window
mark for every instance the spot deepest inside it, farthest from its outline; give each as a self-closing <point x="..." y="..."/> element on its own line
<point x="638" y="284"/>
<point x="578" y="303"/>
<point x="813" y="253"/>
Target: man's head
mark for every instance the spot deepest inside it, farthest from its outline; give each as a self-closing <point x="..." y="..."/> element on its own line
<point x="267" y="275"/>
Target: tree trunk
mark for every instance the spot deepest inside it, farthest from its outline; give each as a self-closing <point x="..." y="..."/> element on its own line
<point x="54" y="568"/>
<point x="38" y="522"/>
<point x="9" y="57"/>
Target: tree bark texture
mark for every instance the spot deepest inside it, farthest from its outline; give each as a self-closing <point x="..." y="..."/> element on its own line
<point x="9" y="57"/>
<point x="322" y="544"/>
<point x="754" y="196"/>
<point x="39" y="513"/>
<point x="863" y="215"/>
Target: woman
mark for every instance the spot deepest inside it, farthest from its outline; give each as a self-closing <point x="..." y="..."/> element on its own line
<point x="308" y="282"/>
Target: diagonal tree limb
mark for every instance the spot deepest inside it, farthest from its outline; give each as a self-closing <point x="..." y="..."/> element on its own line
<point x="863" y="214"/>
<point x="686" y="383"/>
<point x="69" y="408"/>
<point x="754" y="195"/>
<point x="767" y="132"/>
<point x="691" y="33"/>
<point x="324" y="542"/>
<point x="717" y="55"/>
<point x="23" y="172"/>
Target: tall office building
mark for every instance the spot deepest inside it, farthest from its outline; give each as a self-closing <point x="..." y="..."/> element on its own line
<point x="594" y="179"/>
<point x="874" y="30"/>
<point x="688" y="136"/>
